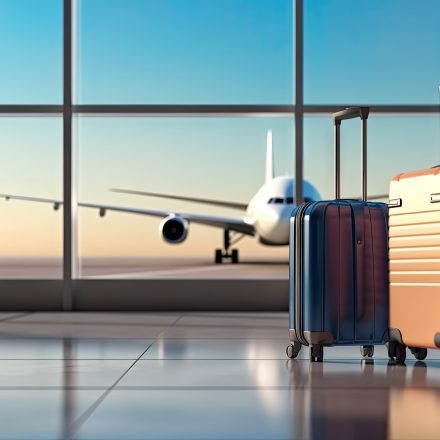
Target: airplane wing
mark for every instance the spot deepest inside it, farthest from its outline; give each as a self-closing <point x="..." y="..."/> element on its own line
<point x="237" y="224"/>
<point x="379" y="197"/>
<point x="372" y="197"/>
<point x="212" y="202"/>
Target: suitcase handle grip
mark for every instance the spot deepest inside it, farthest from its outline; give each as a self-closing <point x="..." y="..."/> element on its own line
<point x="350" y="113"/>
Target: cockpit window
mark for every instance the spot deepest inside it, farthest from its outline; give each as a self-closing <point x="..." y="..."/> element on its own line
<point x="286" y="201"/>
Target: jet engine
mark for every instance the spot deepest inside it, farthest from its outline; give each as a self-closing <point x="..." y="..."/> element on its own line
<point x="174" y="229"/>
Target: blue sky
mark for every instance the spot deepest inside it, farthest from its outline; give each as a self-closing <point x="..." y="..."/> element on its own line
<point x="31" y="51"/>
<point x="375" y="51"/>
<point x="223" y="51"/>
<point x="208" y="51"/>
<point x="174" y="51"/>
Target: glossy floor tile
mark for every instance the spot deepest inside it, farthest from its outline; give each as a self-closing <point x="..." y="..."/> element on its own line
<point x="68" y="348"/>
<point x="199" y="414"/>
<point x="88" y="325"/>
<point x="8" y="316"/>
<point x="217" y="349"/>
<point x="208" y="373"/>
<point x="124" y="319"/>
<point x="61" y="373"/>
<point x="201" y="376"/>
<point x="43" y="414"/>
<point x="229" y="326"/>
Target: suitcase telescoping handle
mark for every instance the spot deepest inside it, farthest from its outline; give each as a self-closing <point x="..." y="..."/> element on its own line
<point x="349" y="113"/>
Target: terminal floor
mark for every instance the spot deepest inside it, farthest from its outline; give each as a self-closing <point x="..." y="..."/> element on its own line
<point x="200" y="376"/>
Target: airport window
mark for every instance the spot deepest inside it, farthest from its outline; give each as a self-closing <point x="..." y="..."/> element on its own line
<point x="388" y="137"/>
<point x="183" y="164"/>
<point x="31" y="166"/>
<point x="177" y="98"/>
<point x="375" y="52"/>
<point x="31" y="52"/>
<point x="185" y="52"/>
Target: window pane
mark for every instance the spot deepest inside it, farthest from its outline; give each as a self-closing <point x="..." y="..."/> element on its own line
<point x="220" y="159"/>
<point x="31" y="51"/>
<point x="185" y="52"/>
<point x="31" y="166"/>
<point x="382" y="52"/>
<point x="395" y="145"/>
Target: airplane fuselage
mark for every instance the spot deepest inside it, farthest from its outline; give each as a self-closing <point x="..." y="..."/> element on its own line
<point x="269" y="211"/>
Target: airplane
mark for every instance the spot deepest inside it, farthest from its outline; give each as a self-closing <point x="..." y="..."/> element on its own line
<point x="266" y="216"/>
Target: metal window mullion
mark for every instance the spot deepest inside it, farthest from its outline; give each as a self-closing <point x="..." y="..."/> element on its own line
<point x="68" y="219"/>
<point x="221" y="110"/>
<point x="185" y="109"/>
<point x="388" y="109"/>
<point x="31" y="109"/>
<point x="299" y="101"/>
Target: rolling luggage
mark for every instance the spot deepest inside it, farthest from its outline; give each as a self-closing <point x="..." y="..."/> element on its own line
<point x="338" y="282"/>
<point x="414" y="242"/>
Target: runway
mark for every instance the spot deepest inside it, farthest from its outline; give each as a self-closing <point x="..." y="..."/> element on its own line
<point x="144" y="268"/>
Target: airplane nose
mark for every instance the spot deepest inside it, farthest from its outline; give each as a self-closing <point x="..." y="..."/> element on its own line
<point x="274" y="227"/>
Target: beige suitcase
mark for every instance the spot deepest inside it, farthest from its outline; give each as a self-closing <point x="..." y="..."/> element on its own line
<point x="414" y="261"/>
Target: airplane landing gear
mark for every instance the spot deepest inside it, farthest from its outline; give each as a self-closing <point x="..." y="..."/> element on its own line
<point x="221" y="255"/>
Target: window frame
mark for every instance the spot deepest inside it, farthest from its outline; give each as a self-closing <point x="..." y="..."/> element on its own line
<point x="72" y="293"/>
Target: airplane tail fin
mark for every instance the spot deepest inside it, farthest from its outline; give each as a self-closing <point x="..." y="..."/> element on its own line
<point x="270" y="174"/>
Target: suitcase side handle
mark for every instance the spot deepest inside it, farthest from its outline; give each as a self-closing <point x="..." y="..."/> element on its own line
<point x="350" y="113"/>
<point x="435" y="198"/>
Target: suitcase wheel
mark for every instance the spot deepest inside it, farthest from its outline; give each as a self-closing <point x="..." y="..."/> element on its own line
<point x="293" y="350"/>
<point x="367" y="351"/>
<point x="397" y="352"/>
<point x="419" y="353"/>
<point x="316" y="353"/>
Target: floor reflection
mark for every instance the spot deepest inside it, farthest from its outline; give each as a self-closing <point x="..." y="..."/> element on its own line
<point x="337" y="402"/>
<point x="365" y="400"/>
<point x="68" y="394"/>
<point x="210" y="386"/>
<point x="414" y="410"/>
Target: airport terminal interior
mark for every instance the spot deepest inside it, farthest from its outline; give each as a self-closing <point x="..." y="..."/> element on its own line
<point x="152" y="156"/>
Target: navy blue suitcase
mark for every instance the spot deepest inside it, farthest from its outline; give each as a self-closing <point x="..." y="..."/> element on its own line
<point x="338" y="282"/>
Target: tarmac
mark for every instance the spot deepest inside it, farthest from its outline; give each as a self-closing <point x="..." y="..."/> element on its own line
<point x="144" y="268"/>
